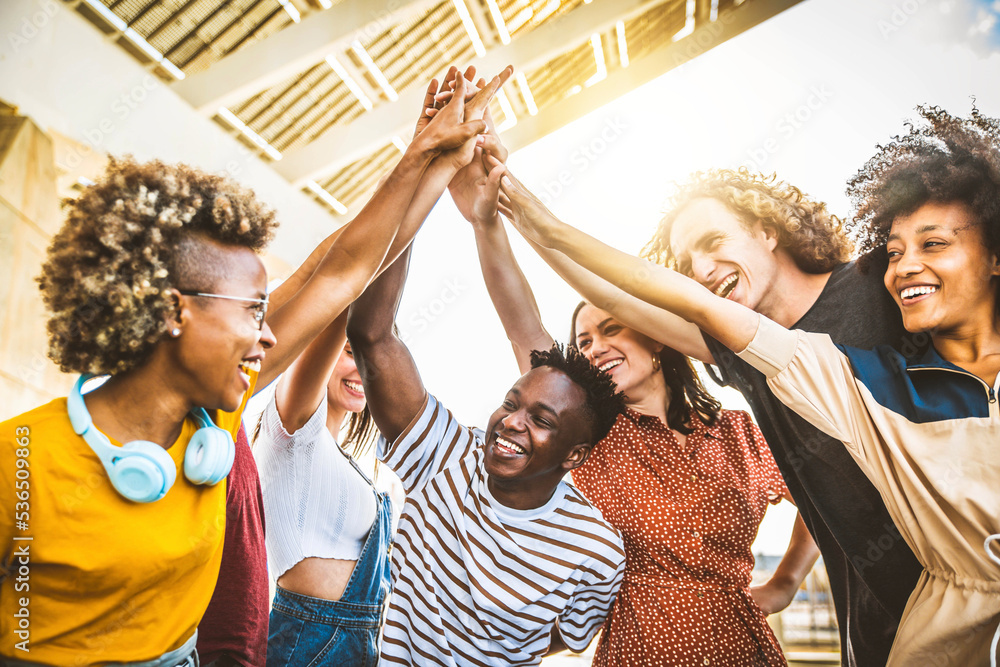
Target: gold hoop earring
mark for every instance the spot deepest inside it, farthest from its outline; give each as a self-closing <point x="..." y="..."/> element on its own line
<point x="656" y="362"/>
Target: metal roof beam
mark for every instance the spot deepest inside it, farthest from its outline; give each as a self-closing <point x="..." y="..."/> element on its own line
<point x="484" y="25"/>
<point x="292" y="50"/>
<point x="342" y="144"/>
<point x="702" y="12"/>
<point x="652" y="65"/>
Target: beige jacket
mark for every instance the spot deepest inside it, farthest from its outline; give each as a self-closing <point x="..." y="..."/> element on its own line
<point x="927" y="434"/>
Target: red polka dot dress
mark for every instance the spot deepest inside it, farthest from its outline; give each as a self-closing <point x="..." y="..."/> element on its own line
<point x="688" y="515"/>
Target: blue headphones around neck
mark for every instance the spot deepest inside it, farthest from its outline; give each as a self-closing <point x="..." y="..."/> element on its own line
<point x="142" y="471"/>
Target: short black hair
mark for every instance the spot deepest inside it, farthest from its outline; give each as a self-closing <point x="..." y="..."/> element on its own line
<point x="942" y="160"/>
<point x="603" y="401"/>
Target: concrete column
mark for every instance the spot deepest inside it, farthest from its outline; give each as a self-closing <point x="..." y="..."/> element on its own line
<point x="29" y="216"/>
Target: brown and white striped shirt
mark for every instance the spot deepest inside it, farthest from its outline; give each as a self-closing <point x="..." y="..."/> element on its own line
<point x="479" y="583"/>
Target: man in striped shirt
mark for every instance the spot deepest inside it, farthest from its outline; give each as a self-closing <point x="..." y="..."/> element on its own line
<point x="497" y="560"/>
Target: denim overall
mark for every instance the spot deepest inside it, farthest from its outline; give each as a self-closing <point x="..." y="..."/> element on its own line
<point x="307" y="631"/>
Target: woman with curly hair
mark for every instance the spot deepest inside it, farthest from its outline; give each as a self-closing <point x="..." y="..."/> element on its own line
<point x="923" y="429"/>
<point x="155" y="281"/>
<point x="685" y="482"/>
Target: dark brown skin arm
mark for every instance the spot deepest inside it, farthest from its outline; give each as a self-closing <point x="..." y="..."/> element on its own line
<point x="392" y="384"/>
<point x="344" y="270"/>
<point x="280" y="295"/>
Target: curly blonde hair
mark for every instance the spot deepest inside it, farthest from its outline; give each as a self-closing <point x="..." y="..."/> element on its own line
<point x="108" y="269"/>
<point x="814" y="237"/>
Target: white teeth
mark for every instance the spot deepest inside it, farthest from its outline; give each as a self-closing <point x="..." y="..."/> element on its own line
<point x="911" y="292"/>
<point x="355" y="386"/>
<point x="726" y="284"/>
<point x="510" y="445"/>
<point x="611" y="364"/>
<point x="249" y="366"/>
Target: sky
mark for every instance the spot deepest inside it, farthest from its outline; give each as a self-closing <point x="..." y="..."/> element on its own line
<point x="807" y="95"/>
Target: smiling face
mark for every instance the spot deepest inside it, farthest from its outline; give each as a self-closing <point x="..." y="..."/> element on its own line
<point x="713" y="246"/>
<point x="220" y="340"/>
<point x="541" y="430"/>
<point x="940" y="272"/>
<point x="624" y="353"/>
<point x="344" y="390"/>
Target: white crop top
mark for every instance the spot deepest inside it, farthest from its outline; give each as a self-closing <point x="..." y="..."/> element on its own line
<point x="316" y="504"/>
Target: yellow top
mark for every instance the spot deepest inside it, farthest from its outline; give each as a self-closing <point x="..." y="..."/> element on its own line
<point x="102" y="579"/>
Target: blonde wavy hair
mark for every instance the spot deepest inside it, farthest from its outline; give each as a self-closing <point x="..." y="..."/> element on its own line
<point x="814" y="237"/>
<point x="109" y="267"/>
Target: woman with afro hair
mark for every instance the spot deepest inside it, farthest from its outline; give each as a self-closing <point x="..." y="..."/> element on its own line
<point x="923" y="429"/>
<point x="155" y="281"/>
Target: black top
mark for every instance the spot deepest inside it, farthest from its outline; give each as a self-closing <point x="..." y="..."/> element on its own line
<point x="872" y="570"/>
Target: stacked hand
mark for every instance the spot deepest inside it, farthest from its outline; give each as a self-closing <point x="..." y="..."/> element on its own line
<point x="482" y="187"/>
<point x="456" y="105"/>
<point x="448" y="132"/>
<point x="475" y="188"/>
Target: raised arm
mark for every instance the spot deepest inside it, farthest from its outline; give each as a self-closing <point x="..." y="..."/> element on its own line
<point x="357" y="254"/>
<point x="510" y="293"/>
<point x="475" y="191"/>
<point x="283" y="292"/>
<point x="658" y="324"/>
<point x="730" y="323"/>
<point x="301" y="275"/>
<point x="446" y="165"/>
<point x="393" y="386"/>
<point x="303" y="386"/>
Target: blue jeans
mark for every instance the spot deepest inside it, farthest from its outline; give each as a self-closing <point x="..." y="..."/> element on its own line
<point x="183" y="656"/>
<point x="307" y="631"/>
